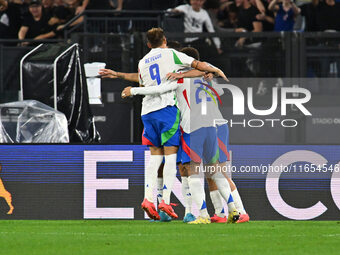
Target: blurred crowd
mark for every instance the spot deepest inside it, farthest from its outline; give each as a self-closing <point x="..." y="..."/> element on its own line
<point x="43" y="19"/>
<point x="276" y="15"/>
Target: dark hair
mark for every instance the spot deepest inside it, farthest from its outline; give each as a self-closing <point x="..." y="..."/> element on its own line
<point x="61" y="12"/>
<point x="155" y="37"/>
<point x="191" y="52"/>
<point x="35" y="2"/>
<point x="211" y="4"/>
<point x="174" y="45"/>
<point x="233" y="8"/>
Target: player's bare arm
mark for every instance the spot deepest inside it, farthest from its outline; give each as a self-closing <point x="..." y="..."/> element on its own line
<point x="202" y="66"/>
<point x="190" y="74"/>
<point x="108" y="73"/>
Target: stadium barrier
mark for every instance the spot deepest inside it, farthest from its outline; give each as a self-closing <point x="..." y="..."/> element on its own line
<point x="319" y="54"/>
<point x="268" y="54"/>
<point x="10" y="56"/>
<point x="125" y="21"/>
<point x="106" y="181"/>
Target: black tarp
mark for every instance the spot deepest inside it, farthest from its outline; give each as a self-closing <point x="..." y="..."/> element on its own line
<point x="72" y="94"/>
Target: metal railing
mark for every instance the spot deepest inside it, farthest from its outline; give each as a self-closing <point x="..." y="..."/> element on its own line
<point x="11" y="52"/>
<point x="267" y="54"/>
<point x="320" y="53"/>
<point x="125" y="21"/>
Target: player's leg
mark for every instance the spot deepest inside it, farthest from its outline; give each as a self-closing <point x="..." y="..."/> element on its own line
<point x="187" y="199"/>
<point x="170" y="139"/>
<point x="151" y="138"/>
<point x="192" y="150"/>
<point x="217" y="201"/>
<point x="244" y="217"/>
<point x="211" y="157"/>
<point x="188" y="216"/>
<point x="163" y="216"/>
<point x="223" y="143"/>
<point x="169" y="176"/>
<point x="198" y="193"/>
<point x="160" y="183"/>
<point x="236" y="196"/>
<point x="225" y="191"/>
<point x="155" y="161"/>
<point x="161" y="132"/>
<point x="169" y="171"/>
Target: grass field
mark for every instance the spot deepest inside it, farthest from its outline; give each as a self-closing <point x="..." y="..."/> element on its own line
<point x="143" y="237"/>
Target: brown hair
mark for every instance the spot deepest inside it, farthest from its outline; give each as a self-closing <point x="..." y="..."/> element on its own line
<point x="191" y="52"/>
<point x="155" y="37"/>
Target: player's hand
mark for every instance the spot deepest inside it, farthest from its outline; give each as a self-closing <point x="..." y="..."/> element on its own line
<point x="208" y="77"/>
<point x="108" y="73"/>
<point x="126" y="92"/>
<point x="219" y="51"/>
<point x="174" y="76"/>
<point x="221" y="74"/>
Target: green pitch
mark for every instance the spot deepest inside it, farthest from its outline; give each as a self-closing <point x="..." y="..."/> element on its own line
<point x="143" y="237"/>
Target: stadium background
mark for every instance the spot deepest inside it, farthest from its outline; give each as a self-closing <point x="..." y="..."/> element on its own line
<point x="119" y="41"/>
